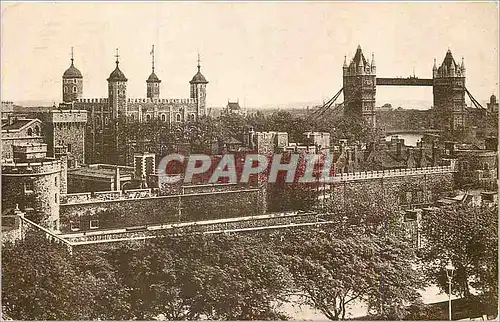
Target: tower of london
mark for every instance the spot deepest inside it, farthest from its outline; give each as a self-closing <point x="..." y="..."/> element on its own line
<point x="104" y="113"/>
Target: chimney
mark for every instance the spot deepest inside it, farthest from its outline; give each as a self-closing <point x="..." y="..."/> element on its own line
<point x="11" y="119"/>
<point x="251" y="138"/>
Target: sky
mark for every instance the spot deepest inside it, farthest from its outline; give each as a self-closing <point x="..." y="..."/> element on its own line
<point x="258" y="53"/>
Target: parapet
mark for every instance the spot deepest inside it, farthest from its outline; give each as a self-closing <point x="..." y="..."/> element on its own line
<point x="162" y="100"/>
<point x="77" y="116"/>
<point x="92" y="100"/>
<point x="39" y="167"/>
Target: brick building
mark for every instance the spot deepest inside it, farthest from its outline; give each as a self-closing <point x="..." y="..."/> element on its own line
<point x="17" y="131"/>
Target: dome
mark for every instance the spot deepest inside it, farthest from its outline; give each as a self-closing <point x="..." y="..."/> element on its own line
<point x="72" y="72"/>
<point x="153" y="78"/>
<point x="198" y="78"/>
<point x="117" y="75"/>
<point x="493" y="98"/>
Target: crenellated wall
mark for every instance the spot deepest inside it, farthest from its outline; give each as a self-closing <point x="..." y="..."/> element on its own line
<point x="126" y="212"/>
<point x="33" y="187"/>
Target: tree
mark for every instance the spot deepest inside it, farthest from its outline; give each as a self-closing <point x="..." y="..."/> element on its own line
<point x="364" y="207"/>
<point x="198" y="276"/>
<point x="332" y="270"/>
<point x="40" y="283"/>
<point x="468" y="236"/>
<point x="110" y="297"/>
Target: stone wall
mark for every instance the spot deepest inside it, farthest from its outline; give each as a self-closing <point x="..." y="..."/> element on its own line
<point x="34" y="189"/>
<point x="121" y="213"/>
<point x="401" y="192"/>
<point x="71" y="135"/>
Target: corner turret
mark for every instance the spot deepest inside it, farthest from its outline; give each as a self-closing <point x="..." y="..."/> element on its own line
<point x="198" y="90"/>
<point x="153" y="82"/>
<point x="72" y="83"/>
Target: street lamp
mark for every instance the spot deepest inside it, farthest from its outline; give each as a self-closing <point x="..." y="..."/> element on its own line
<point x="449" y="273"/>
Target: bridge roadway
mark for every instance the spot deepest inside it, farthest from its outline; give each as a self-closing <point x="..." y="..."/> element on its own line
<point x="410" y="81"/>
<point x="217" y="226"/>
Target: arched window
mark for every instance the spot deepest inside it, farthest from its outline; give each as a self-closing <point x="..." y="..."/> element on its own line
<point x="192" y="117"/>
<point x="163" y="118"/>
<point x="148" y="117"/>
<point x="178" y="117"/>
<point x="74" y="89"/>
<point x="37" y="130"/>
<point x="30" y="132"/>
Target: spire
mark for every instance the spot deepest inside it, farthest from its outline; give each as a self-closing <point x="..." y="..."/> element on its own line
<point x="434" y="67"/>
<point x="360" y="64"/>
<point x="199" y="61"/>
<point x="72" y="56"/>
<point x="117" y="56"/>
<point x="463" y="65"/>
<point x="359" y="47"/>
<point x="345" y="61"/>
<point x="373" y="59"/>
<point x="153" y="59"/>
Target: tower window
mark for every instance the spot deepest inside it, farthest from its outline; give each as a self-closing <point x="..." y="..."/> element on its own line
<point x="55" y="198"/>
<point x="37" y="130"/>
<point x="55" y="181"/>
<point x="148" y="117"/>
<point x="69" y="147"/>
<point x="178" y="117"/>
<point x="74" y="89"/>
<point x="75" y="225"/>
<point x="30" y="132"/>
<point x="28" y="186"/>
<point x="94" y="224"/>
<point x="163" y="118"/>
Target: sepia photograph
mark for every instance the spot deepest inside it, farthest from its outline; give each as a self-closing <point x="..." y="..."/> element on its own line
<point x="224" y="160"/>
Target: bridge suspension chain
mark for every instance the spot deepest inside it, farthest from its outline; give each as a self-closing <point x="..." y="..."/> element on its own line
<point x="325" y="106"/>
<point x="474" y="101"/>
<point x="340" y="107"/>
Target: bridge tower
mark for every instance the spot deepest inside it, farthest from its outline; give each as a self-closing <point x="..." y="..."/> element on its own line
<point x="359" y="79"/>
<point x="449" y="112"/>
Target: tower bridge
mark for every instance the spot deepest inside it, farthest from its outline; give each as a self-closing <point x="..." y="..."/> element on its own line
<point x="360" y="86"/>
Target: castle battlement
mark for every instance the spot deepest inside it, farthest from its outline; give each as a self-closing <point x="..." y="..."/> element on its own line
<point x="162" y="100"/>
<point x="367" y="175"/>
<point x="65" y="116"/>
<point x="46" y="166"/>
<point x="92" y="100"/>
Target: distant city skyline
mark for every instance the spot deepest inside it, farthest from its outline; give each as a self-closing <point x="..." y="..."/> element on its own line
<point x="259" y="53"/>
